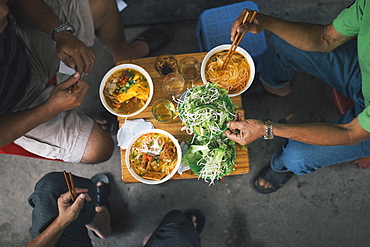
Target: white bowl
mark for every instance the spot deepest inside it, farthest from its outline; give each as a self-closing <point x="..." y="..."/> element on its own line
<point x="121" y="67"/>
<point x="227" y="47"/>
<point x="147" y="181"/>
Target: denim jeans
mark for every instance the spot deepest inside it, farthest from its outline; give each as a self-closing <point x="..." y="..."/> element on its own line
<point x="340" y="69"/>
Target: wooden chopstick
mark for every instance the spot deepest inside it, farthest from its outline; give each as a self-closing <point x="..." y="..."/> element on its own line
<point x="70" y="184"/>
<point x="238" y="37"/>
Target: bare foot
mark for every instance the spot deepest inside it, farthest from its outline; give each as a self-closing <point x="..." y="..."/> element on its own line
<point x="264" y="183"/>
<point x="284" y="91"/>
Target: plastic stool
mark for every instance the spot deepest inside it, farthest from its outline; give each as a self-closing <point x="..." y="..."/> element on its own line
<point x="342" y="105"/>
<point x="214" y="25"/>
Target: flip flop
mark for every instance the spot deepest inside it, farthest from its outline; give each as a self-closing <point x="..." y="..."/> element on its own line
<point x="200" y="218"/>
<point x="276" y="179"/>
<point x="103" y="192"/>
<point x="156" y="36"/>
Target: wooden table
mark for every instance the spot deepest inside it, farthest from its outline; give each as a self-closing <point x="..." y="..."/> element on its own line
<point x="174" y="127"/>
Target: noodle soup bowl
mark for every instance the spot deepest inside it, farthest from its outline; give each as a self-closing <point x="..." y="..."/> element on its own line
<point x="226" y="48"/>
<point x="129" y="155"/>
<point x="104" y="82"/>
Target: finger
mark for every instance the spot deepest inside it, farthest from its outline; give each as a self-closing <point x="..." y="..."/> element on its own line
<point x="83" y="191"/>
<point x="89" y="60"/>
<point x="235" y="124"/>
<point x="79" y="202"/>
<point x="238" y="116"/>
<point x="70" y="81"/>
<point x="80" y="65"/>
<point x="236" y="24"/>
<point x="67" y="60"/>
<point x="85" y="61"/>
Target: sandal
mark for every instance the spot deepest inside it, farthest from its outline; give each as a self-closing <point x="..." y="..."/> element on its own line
<point x="200" y="219"/>
<point x="156" y="37"/>
<point x="276" y="179"/>
<point x="103" y="192"/>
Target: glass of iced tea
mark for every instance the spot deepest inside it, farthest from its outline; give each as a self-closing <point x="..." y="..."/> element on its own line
<point x="173" y="84"/>
<point x="163" y="110"/>
<point x="165" y="64"/>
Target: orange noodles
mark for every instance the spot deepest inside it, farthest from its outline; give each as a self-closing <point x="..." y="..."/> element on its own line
<point x="153" y="156"/>
<point x="234" y="77"/>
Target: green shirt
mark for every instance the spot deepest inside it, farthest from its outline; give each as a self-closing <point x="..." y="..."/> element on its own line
<point x="355" y="21"/>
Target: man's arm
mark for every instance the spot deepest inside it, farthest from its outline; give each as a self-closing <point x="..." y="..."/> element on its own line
<point x="37" y="14"/>
<point x="14" y="125"/>
<point x="68" y="212"/>
<point x="323" y="134"/>
<point x="305" y="36"/>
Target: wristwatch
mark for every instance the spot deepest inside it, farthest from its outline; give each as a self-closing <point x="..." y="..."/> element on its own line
<point x="65" y="26"/>
<point x="268" y="134"/>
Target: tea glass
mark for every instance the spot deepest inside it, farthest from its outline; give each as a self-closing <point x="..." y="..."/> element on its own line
<point x="189" y="68"/>
<point x="165" y="64"/>
<point x="163" y="110"/>
<point x="174" y="84"/>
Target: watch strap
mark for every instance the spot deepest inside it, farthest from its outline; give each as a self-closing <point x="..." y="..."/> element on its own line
<point x="268" y="133"/>
<point x="65" y="26"/>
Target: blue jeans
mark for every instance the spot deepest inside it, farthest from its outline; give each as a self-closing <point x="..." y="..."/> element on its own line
<point x="340" y="69"/>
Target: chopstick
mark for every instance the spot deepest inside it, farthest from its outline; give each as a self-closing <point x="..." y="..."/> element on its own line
<point x="70" y="185"/>
<point x="238" y="37"/>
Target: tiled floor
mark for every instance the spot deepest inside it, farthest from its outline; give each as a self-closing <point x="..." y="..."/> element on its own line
<point x="326" y="208"/>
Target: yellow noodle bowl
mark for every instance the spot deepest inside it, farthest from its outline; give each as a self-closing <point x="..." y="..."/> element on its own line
<point x="153" y="156"/>
<point x="234" y="78"/>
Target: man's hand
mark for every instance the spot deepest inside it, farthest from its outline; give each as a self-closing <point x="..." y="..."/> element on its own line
<point x="245" y="132"/>
<point x="68" y="94"/>
<point x="74" y="53"/>
<point x="254" y="27"/>
<point x="68" y="211"/>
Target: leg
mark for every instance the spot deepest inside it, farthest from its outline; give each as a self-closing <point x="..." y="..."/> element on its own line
<point x="174" y="229"/>
<point x="101" y="225"/>
<point x="338" y="68"/>
<point x="99" y="147"/>
<point x="109" y="29"/>
<point x="45" y="209"/>
<point x="77" y="138"/>
<point x="302" y="158"/>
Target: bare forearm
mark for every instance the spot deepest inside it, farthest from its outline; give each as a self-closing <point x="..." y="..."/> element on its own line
<point x="14" y="125"/>
<point x="305" y="36"/>
<point x="322" y="134"/>
<point x="50" y="236"/>
<point x="35" y="13"/>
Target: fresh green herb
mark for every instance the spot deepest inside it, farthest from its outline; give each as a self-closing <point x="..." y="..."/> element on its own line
<point x="205" y="110"/>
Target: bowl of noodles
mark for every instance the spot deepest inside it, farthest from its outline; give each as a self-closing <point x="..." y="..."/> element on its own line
<point x="126" y="90"/>
<point x="238" y="75"/>
<point x="153" y="156"/>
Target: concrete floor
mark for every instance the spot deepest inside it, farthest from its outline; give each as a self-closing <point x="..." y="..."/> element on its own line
<point x="326" y="208"/>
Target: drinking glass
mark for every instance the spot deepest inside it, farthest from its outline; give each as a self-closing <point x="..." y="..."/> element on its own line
<point x="174" y="84"/>
<point x="189" y="68"/>
<point x="163" y="110"/>
<point x="165" y="64"/>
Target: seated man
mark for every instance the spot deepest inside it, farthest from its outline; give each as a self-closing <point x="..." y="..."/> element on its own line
<point x="325" y="51"/>
<point x="36" y="116"/>
<point x="58" y="221"/>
